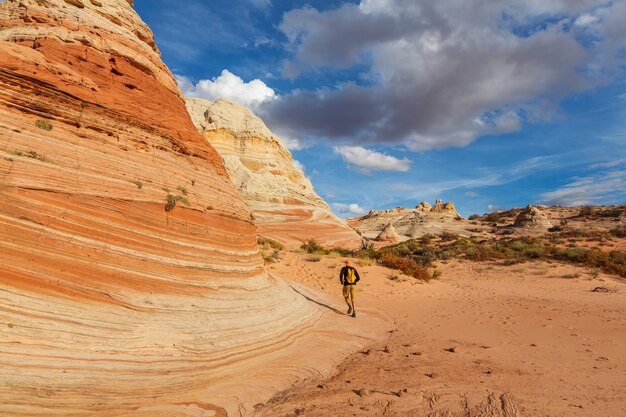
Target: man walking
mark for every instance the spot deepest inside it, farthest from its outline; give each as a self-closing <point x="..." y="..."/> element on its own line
<point x="348" y="277"/>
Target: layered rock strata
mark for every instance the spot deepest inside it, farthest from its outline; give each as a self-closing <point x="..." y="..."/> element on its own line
<point x="130" y="280"/>
<point x="284" y="202"/>
<point x="410" y="223"/>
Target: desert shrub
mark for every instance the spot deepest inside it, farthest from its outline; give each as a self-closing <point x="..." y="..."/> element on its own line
<point x="555" y="229"/>
<point x="43" y="124"/>
<point x="171" y="201"/>
<point x="474" y="217"/>
<point x="139" y="184"/>
<point x="365" y="262"/>
<point x="585" y="211"/>
<point x="312" y="247"/>
<point x="613" y="262"/>
<point x="183" y="190"/>
<point x="611" y="212"/>
<point x="407" y="265"/>
<point x="271" y="257"/>
<point x="343" y="252"/>
<point x="494" y="217"/>
<point x="447" y="236"/>
<point x="267" y="243"/>
<point x="619" y="231"/>
<point x="426" y="239"/>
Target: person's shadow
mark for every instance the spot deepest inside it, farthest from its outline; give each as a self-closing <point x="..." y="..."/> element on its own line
<point x="319" y="303"/>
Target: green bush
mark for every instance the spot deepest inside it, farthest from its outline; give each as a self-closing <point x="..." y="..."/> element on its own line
<point x="311" y="246"/>
<point x="171" y="201"/>
<point x="43" y="124"/>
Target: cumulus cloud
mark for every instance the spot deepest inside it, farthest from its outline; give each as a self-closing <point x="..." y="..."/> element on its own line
<point x="602" y="188"/>
<point x="366" y="160"/>
<point x="443" y="73"/>
<point x="351" y="208"/>
<point x="230" y="86"/>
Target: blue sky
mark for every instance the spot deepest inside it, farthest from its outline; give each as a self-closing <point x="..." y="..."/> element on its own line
<point x="390" y="102"/>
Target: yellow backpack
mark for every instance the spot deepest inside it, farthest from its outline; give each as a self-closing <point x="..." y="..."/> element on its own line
<point x="350" y="276"/>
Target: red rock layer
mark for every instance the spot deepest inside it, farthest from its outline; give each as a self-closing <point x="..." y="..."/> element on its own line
<point x="130" y="281"/>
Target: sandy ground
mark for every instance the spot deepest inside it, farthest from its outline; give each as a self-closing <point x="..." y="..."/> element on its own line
<point x="483" y="340"/>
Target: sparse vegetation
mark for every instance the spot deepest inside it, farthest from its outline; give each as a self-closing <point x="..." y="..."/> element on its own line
<point x="138" y="183"/>
<point x="272" y="257"/>
<point x="270" y="249"/>
<point x="312" y="247"/>
<point x="182" y="190"/>
<point x="267" y="243"/>
<point x="314" y="258"/>
<point x="30" y="154"/>
<point x="510" y="251"/>
<point x="619" y="231"/>
<point x="171" y="201"/>
<point x="406" y="265"/>
<point x="43" y="124"/>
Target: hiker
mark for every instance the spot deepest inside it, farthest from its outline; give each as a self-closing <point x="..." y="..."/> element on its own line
<point x="348" y="277"/>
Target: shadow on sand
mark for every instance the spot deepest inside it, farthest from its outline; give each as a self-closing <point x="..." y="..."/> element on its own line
<point x="319" y="303"/>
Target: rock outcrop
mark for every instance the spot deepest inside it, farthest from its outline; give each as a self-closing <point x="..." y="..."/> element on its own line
<point x="410" y="223"/>
<point x="282" y="198"/>
<point x="444" y="208"/>
<point x="532" y="218"/>
<point x="130" y="279"/>
<point x="388" y="235"/>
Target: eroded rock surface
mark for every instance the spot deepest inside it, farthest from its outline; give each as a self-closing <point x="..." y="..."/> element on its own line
<point x="130" y="280"/>
<point x="285" y="205"/>
<point x="388" y="234"/>
<point x="532" y="218"/>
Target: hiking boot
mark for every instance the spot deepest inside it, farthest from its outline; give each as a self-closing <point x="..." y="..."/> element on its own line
<point x="354" y="314"/>
<point x="349" y="310"/>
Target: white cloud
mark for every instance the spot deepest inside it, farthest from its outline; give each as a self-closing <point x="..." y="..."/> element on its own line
<point x="230" y="86"/>
<point x="586" y="20"/>
<point x="609" y="164"/>
<point x="602" y="188"/>
<point x="460" y="73"/>
<point x="292" y="143"/>
<point x="351" y="208"/>
<point x="298" y="165"/>
<point x="471" y="194"/>
<point x="261" y="3"/>
<point x="367" y="160"/>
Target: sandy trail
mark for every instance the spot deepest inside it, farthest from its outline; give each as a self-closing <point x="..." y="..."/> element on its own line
<point x="484" y="340"/>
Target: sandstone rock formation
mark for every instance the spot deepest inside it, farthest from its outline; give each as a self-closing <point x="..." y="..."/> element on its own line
<point x="282" y="198"/>
<point x="130" y="280"/>
<point x="388" y="234"/>
<point x="532" y="218"/>
<point x="411" y="223"/>
<point x="444" y="208"/>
